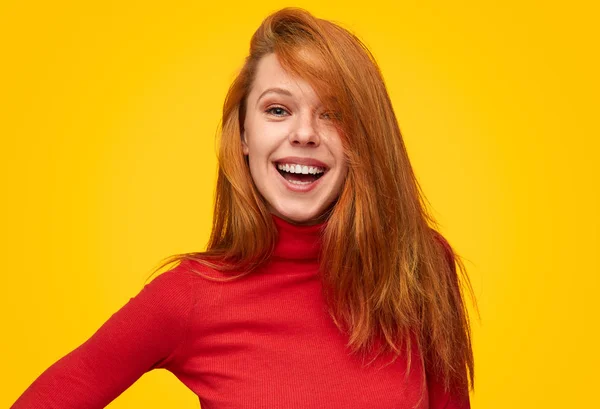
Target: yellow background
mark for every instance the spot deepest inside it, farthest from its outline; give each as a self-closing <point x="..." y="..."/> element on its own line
<point x="109" y="112"/>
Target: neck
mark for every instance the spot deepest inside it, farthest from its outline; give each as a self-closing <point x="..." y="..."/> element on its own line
<point x="298" y="242"/>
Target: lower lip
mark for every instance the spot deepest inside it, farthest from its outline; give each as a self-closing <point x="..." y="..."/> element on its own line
<point x="299" y="188"/>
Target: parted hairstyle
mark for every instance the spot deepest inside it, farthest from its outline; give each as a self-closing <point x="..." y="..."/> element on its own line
<point x="387" y="274"/>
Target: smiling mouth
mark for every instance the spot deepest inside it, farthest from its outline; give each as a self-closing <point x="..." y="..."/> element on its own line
<point x="299" y="178"/>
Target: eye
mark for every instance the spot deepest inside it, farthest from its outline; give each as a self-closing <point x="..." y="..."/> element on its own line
<point x="330" y="116"/>
<point x="277" y="111"/>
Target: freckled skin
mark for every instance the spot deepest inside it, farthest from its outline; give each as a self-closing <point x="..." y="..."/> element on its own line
<point x="289" y="120"/>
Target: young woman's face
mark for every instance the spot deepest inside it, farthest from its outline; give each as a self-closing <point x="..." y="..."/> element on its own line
<point x="294" y="150"/>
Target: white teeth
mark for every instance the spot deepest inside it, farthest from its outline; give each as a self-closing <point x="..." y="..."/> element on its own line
<point x="297" y="182"/>
<point x="295" y="168"/>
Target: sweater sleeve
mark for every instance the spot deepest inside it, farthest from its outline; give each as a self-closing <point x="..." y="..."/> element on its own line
<point x="142" y="335"/>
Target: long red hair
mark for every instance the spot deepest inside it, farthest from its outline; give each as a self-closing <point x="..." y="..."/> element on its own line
<point x="387" y="273"/>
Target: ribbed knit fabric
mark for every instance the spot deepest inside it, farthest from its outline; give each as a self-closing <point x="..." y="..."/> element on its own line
<point x="264" y="341"/>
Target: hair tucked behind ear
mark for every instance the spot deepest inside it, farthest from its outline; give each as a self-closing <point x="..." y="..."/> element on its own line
<point x="388" y="274"/>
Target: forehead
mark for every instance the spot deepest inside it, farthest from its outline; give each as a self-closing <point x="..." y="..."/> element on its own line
<point x="270" y="74"/>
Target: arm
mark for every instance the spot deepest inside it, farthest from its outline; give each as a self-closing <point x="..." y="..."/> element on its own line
<point x="144" y="334"/>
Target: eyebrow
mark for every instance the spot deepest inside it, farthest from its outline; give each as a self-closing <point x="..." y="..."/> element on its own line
<point x="275" y="90"/>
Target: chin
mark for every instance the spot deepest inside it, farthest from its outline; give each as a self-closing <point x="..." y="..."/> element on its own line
<point x="298" y="216"/>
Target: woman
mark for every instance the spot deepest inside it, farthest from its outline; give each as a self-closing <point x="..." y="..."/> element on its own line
<point x="324" y="284"/>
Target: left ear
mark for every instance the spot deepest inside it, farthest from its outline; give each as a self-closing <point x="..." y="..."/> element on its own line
<point x="244" y="143"/>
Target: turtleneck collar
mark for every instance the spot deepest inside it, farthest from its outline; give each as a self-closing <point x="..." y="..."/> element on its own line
<point x="297" y="242"/>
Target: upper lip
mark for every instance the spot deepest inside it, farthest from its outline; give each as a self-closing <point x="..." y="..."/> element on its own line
<point x="302" y="161"/>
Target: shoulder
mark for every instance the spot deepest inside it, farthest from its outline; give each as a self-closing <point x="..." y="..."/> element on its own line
<point x="439" y="238"/>
<point x="177" y="276"/>
<point x="186" y="274"/>
<point x="181" y="285"/>
<point x="445" y="249"/>
<point x="176" y="280"/>
<point x="442" y="241"/>
<point x="168" y="294"/>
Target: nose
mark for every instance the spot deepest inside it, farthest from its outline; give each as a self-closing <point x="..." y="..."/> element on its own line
<point x="304" y="132"/>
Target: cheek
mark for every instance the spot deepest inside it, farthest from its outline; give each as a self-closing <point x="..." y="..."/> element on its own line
<point x="258" y="150"/>
<point x="338" y="152"/>
<point x="341" y="181"/>
<point x="259" y="156"/>
<point x="263" y="141"/>
<point x="333" y="137"/>
<point x="342" y="163"/>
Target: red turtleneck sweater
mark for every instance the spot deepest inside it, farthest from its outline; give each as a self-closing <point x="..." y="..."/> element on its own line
<point x="264" y="341"/>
